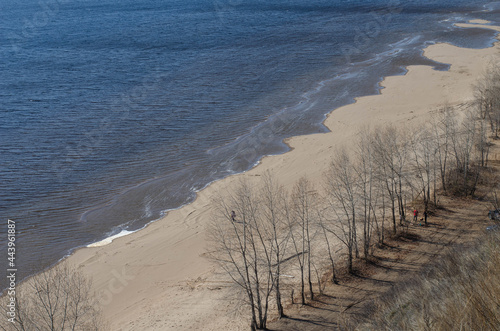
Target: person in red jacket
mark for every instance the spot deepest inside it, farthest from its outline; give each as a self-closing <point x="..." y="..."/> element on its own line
<point x="415" y="215"/>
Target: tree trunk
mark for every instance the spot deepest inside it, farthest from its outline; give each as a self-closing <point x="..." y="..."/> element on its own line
<point x="349" y="263"/>
<point x="393" y="209"/>
<point x="279" y="305"/>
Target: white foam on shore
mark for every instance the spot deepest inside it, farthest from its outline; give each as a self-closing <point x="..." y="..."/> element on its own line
<point x="108" y="240"/>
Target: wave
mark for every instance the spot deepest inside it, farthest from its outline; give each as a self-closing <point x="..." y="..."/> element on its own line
<point x="110" y="239"/>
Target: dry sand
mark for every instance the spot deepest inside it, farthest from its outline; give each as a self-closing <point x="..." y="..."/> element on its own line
<point x="479" y="21"/>
<point x="158" y="279"/>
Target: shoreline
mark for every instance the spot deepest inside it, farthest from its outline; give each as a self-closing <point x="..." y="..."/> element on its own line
<point x="159" y="263"/>
<point x="124" y="231"/>
<point x="378" y="87"/>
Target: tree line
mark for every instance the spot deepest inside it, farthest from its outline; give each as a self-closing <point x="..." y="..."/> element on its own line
<point x="60" y="298"/>
<point x="262" y="231"/>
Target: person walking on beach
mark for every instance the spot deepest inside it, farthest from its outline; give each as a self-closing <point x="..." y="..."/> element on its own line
<point x="233" y="216"/>
<point x="415" y="215"/>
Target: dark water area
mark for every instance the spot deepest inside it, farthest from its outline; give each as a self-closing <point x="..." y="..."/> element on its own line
<point x="112" y="113"/>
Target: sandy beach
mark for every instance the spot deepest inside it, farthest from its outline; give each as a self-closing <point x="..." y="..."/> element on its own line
<point x="158" y="278"/>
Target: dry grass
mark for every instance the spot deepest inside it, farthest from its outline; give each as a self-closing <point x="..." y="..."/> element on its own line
<point x="459" y="292"/>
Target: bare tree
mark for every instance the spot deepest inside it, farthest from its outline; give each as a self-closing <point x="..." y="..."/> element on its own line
<point x="391" y="155"/>
<point x="57" y="299"/>
<point x="383" y="209"/>
<point x="241" y="245"/>
<point x="469" y="127"/>
<point x="487" y="94"/>
<point x="475" y="130"/>
<point x="297" y="238"/>
<point x="302" y="220"/>
<point x="400" y="147"/>
<point x="482" y="142"/>
<point x="248" y="238"/>
<point x="340" y="181"/>
<point x="443" y="124"/>
<point x="465" y="143"/>
<point x="384" y="171"/>
<point x="325" y="231"/>
<point x="424" y="150"/>
<point x="274" y="206"/>
<point x="365" y="172"/>
<point x="463" y="140"/>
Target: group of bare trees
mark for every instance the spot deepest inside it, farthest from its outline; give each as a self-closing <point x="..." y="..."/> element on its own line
<point x="390" y="172"/>
<point x="259" y="230"/>
<point x="248" y="243"/>
<point x="487" y="94"/>
<point x="60" y="298"/>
